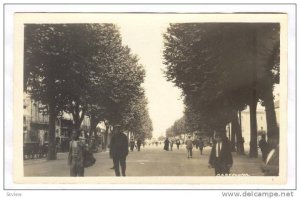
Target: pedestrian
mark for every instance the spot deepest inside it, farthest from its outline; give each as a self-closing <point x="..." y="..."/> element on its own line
<point x="196" y="142"/>
<point x="220" y="156"/>
<point x="132" y="143"/>
<point x="201" y="145"/>
<point x="171" y="144"/>
<point x="139" y="143"/>
<point x="177" y="143"/>
<point x="166" y="147"/>
<point x="189" y="147"/>
<point x="156" y="143"/>
<point x="119" y="150"/>
<point x="76" y="156"/>
<point x="240" y="147"/>
<point x="263" y="145"/>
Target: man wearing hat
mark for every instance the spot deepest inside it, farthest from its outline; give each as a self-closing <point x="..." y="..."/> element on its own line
<point x="220" y="156"/>
<point x="189" y="147"/>
<point x="119" y="150"/>
<point x="76" y="156"/>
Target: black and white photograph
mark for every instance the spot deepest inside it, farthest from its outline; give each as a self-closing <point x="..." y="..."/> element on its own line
<point x="145" y="95"/>
<point x="149" y="100"/>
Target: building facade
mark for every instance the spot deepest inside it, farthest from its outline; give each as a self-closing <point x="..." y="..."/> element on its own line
<point x="36" y="124"/>
<point x="261" y="122"/>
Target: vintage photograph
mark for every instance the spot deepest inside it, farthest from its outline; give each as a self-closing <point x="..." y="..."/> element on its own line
<point x="152" y="95"/>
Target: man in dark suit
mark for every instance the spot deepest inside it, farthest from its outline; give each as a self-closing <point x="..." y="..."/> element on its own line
<point x="139" y="143"/>
<point x="119" y="150"/>
<point x="263" y="145"/>
<point x="220" y="156"/>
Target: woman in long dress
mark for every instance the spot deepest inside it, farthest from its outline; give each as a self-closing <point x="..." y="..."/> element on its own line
<point x="166" y="147"/>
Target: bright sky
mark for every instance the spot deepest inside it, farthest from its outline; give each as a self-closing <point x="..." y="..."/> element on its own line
<point x="164" y="101"/>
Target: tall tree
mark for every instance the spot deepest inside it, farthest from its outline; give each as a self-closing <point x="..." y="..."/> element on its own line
<point x="43" y="64"/>
<point x="82" y="69"/>
<point x="221" y="67"/>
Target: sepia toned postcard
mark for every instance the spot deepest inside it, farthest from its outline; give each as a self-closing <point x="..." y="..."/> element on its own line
<point x="150" y="98"/>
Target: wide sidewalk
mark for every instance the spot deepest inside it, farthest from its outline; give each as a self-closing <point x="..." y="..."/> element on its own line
<point x="150" y="161"/>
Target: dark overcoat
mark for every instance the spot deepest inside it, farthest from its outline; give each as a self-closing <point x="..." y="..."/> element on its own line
<point x="119" y="145"/>
<point x="225" y="154"/>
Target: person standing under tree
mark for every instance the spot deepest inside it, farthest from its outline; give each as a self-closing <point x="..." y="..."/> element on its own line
<point x="171" y="144"/>
<point x="201" y="145"/>
<point x="166" y="147"/>
<point x="220" y="156"/>
<point x="263" y="145"/>
<point x="119" y="150"/>
<point x="76" y="156"/>
<point x="132" y="143"/>
<point x="189" y="147"/>
<point x="178" y="143"/>
<point x="139" y="143"/>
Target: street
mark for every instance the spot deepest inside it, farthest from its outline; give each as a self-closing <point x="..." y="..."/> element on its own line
<point x="150" y="161"/>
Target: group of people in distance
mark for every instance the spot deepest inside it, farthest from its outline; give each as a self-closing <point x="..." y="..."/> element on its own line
<point x="168" y="145"/>
<point x="220" y="156"/>
<point x="135" y="144"/>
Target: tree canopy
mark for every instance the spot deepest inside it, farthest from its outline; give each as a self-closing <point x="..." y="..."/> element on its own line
<point x="84" y="69"/>
<point x="222" y="67"/>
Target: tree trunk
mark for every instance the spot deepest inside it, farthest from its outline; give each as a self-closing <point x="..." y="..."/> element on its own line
<point x="253" y="100"/>
<point x="272" y="128"/>
<point x="106" y="135"/>
<point x="253" y="128"/>
<point x="128" y="134"/>
<point x="239" y="137"/>
<point x="77" y="118"/>
<point x="233" y="140"/>
<point x="51" y="136"/>
<point x="94" y="122"/>
<point x="131" y="135"/>
<point x="234" y="131"/>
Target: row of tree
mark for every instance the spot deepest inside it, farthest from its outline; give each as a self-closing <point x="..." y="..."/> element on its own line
<point x="179" y="127"/>
<point x="221" y="69"/>
<point x="84" y="70"/>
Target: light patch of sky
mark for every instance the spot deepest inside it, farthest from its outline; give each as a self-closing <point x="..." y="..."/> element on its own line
<point x="164" y="100"/>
